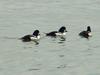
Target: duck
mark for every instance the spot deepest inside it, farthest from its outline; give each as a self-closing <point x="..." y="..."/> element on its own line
<point x="87" y="33"/>
<point x="61" y="32"/>
<point x="34" y="37"/>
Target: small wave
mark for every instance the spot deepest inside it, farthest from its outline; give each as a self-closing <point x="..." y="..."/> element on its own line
<point x="6" y="37"/>
<point x="34" y="69"/>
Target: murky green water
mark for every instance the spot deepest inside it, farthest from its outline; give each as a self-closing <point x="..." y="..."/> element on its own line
<point x="74" y="56"/>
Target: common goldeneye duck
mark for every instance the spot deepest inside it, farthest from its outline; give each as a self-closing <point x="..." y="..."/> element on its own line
<point x="86" y="33"/>
<point x="35" y="36"/>
<point x="62" y="31"/>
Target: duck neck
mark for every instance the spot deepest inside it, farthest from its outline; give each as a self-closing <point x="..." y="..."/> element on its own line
<point x="88" y="29"/>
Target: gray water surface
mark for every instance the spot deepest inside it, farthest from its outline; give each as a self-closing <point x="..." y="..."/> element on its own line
<point x="74" y="56"/>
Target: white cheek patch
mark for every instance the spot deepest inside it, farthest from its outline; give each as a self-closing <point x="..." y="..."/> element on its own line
<point x="38" y="37"/>
<point x="60" y="34"/>
<point x="64" y="33"/>
<point x="35" y="38"/>
<point x="89" y="34"/>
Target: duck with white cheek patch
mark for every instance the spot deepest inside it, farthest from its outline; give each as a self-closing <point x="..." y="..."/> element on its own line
<point x="61" y="32"/>
<point x="34" y="37"/>
<point x="87" y="33"/>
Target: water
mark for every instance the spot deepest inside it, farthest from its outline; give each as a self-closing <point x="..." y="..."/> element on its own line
<point x="74" y="56"/>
